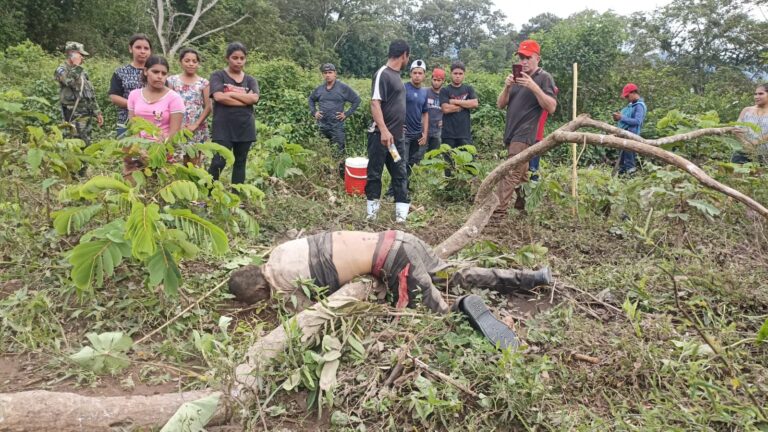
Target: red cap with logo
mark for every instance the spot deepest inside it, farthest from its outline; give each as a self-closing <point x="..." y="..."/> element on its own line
<point x="438" y="73"/>
<point x="528" y="48"/>
<point x="629" y="88"/>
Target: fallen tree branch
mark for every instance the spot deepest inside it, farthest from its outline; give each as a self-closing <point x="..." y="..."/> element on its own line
<point x="486" y="200"/>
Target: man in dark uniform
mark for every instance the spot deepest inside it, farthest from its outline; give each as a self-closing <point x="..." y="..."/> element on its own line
<point x="326" y="105"/>
<point x="79" y="108"/>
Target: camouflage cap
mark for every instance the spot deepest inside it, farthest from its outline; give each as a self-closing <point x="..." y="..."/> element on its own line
<point x="75" y="46"/>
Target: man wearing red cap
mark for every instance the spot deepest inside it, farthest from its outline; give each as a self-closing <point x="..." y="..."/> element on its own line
<point x="524" y="98"/>
<point x="631" y="119"/>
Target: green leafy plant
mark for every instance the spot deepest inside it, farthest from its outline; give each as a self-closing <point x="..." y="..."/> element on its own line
<point x="193" y="416"/>
<point x="450" y="173"/>
<point x="107" y="352"/>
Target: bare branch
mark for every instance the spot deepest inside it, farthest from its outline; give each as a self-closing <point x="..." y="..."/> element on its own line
<point x="218" y="29"/>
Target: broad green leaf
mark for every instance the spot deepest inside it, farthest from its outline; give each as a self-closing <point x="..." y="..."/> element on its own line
<point x="163" y="268"/>
<point x="93" y="260"/>
<point x="69" y="220"/>
<point x="211" y="148"/>
<point x="292" y="381"/>
<point x="142" y="229"/>
<point x="328" y="375"/>
<point x="705" y="207"/>
<point x="179" y="189"/>
<point x="331" y="343"/>
<point x="106" y="353"/>
<point x="35" y="158"/>
<point x="98" y="184"/>
<point x="200" y="231"/>
<point x="193" y="416"/>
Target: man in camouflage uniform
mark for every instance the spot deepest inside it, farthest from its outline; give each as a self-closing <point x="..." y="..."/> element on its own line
<point x="78" y="99"/>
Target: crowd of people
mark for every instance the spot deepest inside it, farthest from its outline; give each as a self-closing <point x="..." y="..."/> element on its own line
<point x="409" y="118"/>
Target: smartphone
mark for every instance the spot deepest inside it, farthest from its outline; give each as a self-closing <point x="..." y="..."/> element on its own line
<point x="517" y="70"/>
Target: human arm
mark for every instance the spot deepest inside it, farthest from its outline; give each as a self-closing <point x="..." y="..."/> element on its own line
<point x="354" y="100"/>
<point x="638" y="115"/>
<point x="445" y="103"/>
<point x="175" y="124"/>
<point x="378" y="117"/>
<point x="313" y="99"/>
<point x="424" y="128"/>
<point x="503" y="99"/>
<point x="116" y="91"/>
<point x="545" y="100"/>
<point x="470" y="102"/>
<point x="206" y="109"/>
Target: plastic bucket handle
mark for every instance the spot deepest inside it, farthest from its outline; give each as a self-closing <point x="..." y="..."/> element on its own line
<point x="355" y="176"/>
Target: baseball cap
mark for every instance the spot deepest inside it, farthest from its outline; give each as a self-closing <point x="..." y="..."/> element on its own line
<point x="438" y="73"/>
<point x="529" y="47"/>
<point x="75" y="46"/>
<point x="629" y="88"/>
<point x="419" y="64"/>
<point x="327" y="67"/>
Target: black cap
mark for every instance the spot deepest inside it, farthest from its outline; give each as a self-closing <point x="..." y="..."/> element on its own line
<point x="327" y="67"/>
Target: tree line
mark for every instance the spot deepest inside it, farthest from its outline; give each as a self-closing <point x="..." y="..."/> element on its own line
<point x="694" y="54"/>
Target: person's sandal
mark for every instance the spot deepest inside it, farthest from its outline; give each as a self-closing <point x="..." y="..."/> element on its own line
<point x="481" y="318"/>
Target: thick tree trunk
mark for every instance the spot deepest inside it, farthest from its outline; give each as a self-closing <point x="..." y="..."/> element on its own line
<point x="40" y="410"/>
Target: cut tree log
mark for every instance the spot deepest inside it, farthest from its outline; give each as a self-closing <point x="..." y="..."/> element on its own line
<point x="40" y="410"/>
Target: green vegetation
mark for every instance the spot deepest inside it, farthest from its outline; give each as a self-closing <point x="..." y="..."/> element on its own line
<point x="658" y="319"/>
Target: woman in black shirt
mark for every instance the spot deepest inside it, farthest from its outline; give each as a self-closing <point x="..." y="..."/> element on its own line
<point x="234" y="94"/>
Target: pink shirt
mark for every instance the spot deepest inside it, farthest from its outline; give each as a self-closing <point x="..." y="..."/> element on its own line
<point x="158" y="112"/>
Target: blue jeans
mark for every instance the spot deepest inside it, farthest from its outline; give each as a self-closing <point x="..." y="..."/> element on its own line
<point x="533" y="167"/>
<point x="627" y="160"/>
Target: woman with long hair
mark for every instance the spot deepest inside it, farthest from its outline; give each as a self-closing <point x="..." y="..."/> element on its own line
<point x="234" y="94"/>
<point x="128" y="78"/>
<point x="195" y="91"/>
<point x="157" y="104"/>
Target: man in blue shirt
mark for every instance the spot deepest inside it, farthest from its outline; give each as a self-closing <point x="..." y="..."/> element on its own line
<point x="631" y="119"/>
<point x="416" y="117"/>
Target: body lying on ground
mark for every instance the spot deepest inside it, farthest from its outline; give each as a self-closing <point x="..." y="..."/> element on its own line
<point x="405" y="264"/>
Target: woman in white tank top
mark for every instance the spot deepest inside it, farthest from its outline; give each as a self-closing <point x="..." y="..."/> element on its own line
<point x="758" y="115"/>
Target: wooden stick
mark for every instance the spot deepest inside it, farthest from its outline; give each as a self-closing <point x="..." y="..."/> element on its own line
<point x="437" y="374"/>
<point x="585" y="358"/>
<point x="178" y="315"/>
<point x="574" y="171"/>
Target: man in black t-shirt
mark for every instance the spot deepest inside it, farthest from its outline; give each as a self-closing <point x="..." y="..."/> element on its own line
<point x="385" y="136"/>
<point x="456" y="101"/>
<point x="524" y="98"/>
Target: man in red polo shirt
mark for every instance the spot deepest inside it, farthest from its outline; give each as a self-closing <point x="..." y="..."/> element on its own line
<point x="525" y="98"/>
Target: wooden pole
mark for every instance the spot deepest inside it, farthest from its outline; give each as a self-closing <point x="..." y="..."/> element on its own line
<point x="574" y="150"/>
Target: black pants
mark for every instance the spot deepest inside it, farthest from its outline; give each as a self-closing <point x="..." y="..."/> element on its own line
<point x="335" y="132"/>
<point x="378" y="158"/>
<point x="240" y="149"/>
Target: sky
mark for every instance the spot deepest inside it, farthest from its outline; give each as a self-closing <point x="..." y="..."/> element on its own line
<point x="518" y="12"/>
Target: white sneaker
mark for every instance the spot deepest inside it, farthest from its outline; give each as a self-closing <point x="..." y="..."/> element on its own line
<point x="401" y="212"/>
<point x="372" y="209"/>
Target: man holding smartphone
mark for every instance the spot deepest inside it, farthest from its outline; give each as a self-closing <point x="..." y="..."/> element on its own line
<point x="525" y="96"/>
<point x="77" y="97"/>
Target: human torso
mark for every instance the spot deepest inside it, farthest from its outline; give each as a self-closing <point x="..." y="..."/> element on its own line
<point x="352" y="255"/>
<point x="524" y="110"/>
<point x="194" y="102"/>
<point x="629" y="111"/>
<point x="415" y="106"/>
<point x="388" y="88"/>
<point x="129" y="77"/>
<point x="435" y="112"/>
<point x="330" y="101"/>
<point x="751" y="115"/>
<point x="156" y="109"/>
<point x="457" y="125"/>
<point x="233" y="123"/>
